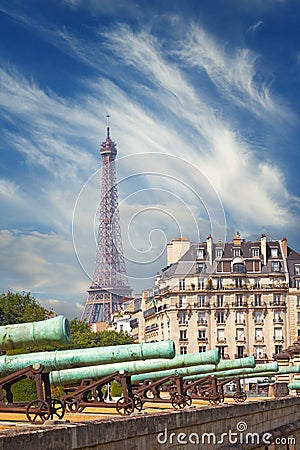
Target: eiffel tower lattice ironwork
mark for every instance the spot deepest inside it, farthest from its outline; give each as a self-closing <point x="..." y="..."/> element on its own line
<point x="109" y="284"/>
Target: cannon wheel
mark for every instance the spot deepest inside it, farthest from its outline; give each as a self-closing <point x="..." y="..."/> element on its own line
<point x="188" y="400"/>
<point x="57" y="408"/>
<point x="178" y="401"/>
<point x="72" y="404"/>
<point x="125" y="406"/>
<point x="214" y="399"/>
<point x="138" y="404"/>
<point x="38" y="411"/>
<point x="240" y="397"/>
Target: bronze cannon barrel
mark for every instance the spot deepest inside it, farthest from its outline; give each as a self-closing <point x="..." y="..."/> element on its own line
<point x="71" y="376"/>
<point x="20" y="335"/>
<point x="63" y="359"/>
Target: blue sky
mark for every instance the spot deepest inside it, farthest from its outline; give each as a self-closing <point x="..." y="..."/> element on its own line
<point x="204" y="105"/>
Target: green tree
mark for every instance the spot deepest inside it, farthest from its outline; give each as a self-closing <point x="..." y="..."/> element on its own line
<point x="21" y="307"/>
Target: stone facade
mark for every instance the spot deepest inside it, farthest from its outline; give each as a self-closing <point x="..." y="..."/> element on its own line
<point x="242" y="297"/>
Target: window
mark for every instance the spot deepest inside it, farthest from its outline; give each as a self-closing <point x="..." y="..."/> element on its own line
<point x="238" y="282"/>
<point x="201" y="334"/>
<point x="182" y="301"/>
<point x="219" y="252"/>
<point x="274" y="252"/>
<point x="297" y="269"/>
<point x="297" y="284"/>
<point x="200" y="253"/>
<point x="183" y="350"/>
<point x="258" y="318"/>
<point x="219" y="283"/>
<point x="201" y="318"/>
<point x="236" y="252"/>
<point x="278" y="333"/>
<point x="221" y="335"/>
<point x="238" y="268"/>
<point x="200" y="283"/>
<point x="182" y="284"/>
<point x="259" y="334"/>
<point x="182" y="335"/>
<point x="276" y="299"/>
<point x="298" y="318"/>
<point x="259" y="352"/>
<point x="257" y="283"/>
<point x="220" y="317"/>
<point x="239" y="317"/>
<point x="298" y="301"/>
<point x="121" y="327"/>
<point x="257" y="300"/>
<point x="182" y="318"/>
<point x="238" y="300"/>
<point x="202" y="349"/>
<point x="221" y="351"/>
<point x="201" y="301"/>
<point x="240" y="351"/>
<point x="240" y="334"/>
<point x="278" y="349"/>
<point x="220" y="301"/>
<point x="275" y="266"/>
<point x="277" y="317"/>
<point x="255" y="251"/>
<point x="200" y="267"/>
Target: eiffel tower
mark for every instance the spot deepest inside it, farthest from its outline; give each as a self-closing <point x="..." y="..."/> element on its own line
<point x="109" y="285"/>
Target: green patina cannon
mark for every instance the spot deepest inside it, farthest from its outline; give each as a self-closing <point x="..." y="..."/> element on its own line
<point x="50" y="331"/>
<point x="73" y="376"/>
<point x="63" y="359"/>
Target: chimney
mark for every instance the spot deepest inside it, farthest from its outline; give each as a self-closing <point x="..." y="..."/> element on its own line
<point x="237" y="239"/>
<point x="284" y="247"/>
<point x="263" y="248"/>
<point x="209" y="246"/>
<point x="176" y="249"/>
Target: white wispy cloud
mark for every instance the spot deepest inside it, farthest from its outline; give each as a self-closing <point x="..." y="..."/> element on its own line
<point x="255" y="26"/>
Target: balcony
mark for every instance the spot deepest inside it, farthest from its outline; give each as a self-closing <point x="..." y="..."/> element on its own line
<point x="258" y="305"/>
<point x="150" y="312"/>
<point x="134" y="323"/>
<point x="278" y="338"/>
<point x="278" y="320"/>
<point x="239" y="304"/>
<point x="240" y="339"/>
<point x="221" y="340"/>
<point x="240" y="322"/>
<point x="151" y="328"/>
<point x="201" y="305"/>
<point x="278" y="304"/>
<point x="220" y="305"/>
<point x="259" y="339"/>
<point x="203" y="340"/>
<point x="202" y="322"/>
<point x="183" y="339"/>
<point x="183" y="305"/>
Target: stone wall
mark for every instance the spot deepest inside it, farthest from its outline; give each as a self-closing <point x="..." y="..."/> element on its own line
<point x="242" y="426"/>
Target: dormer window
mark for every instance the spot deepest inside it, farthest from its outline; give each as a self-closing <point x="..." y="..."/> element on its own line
<point x="275" y="266"/>
<point x="255" y="251"/>
<point x="200" y="267"/>
<point x="274" y="252"/>
<point x="236" y="252"/>
<point x="297" y="269"/>
<point x="200" y="253"/>
<point x="219" y="252"/>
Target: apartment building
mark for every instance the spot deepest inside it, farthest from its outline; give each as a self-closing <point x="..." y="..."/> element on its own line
<point x="242" y="297"/>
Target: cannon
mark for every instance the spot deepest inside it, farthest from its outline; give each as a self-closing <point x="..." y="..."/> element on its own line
<point x="63" y="359"/>
<point x="151" y="391"/>
<point x="50" y="331"/>
<point x="194" y="370"/>
<point x="37" y="411"/>
<point x="205" y="388"/>
<point x="91" y="393"/>
<point x="73" y="376"/>
<point x="269" y="368"/>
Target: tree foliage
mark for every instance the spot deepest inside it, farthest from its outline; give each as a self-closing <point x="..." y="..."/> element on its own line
<point x="21" y="307"/>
